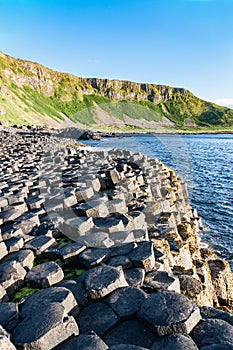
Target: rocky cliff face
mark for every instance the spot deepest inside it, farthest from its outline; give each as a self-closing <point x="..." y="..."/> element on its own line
<point x="32" y="92"/>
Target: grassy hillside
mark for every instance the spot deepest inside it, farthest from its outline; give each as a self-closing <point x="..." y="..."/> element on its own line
<point x="33" y="94"/>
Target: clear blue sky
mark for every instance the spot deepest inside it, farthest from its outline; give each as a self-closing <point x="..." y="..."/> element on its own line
<point x="184" y="43"/>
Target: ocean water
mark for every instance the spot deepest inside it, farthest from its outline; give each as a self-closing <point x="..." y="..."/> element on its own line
<point x="206" y="164"/>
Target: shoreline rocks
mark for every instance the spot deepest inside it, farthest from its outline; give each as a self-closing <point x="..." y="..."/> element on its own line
<point x="100" y="250"/>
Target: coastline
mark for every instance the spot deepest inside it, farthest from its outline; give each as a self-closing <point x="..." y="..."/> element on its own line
<point x="82" y="228"/>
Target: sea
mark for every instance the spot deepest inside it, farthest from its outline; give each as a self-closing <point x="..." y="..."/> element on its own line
<point x="206" y="163"/>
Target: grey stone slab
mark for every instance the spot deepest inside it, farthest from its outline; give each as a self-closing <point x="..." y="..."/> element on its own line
<point x="9" y="315"/>
<point x="213" y="331"/>
<point x="126" y="301"/>
<point x="169" y="313"/>
<point x="131" y="332"/>
<point x="24" y="256"/>
<point x="60" y="295"/>
<point x="120" y="260"/>
<point x="97" y="317"/>
<point x="45" y="329"/>
<point x="143" y="256"/>
<point x="176" y="342"/>
<point x="210" y="312"/>
<point x="12" y="276"/>
<point x="160" y="281"/>
<point x="70" y="252"/>
<point x="40" y="244"/>
<point x="102" y="280"/>
<point x="93" y="256"/>
<point x="14" y="244"/>
<point x="135" y="276"/>
<point x="84" y="342"/>
<point x="44" y="275"/>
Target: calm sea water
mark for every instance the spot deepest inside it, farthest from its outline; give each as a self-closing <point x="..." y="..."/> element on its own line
<point x="206" y="163"/>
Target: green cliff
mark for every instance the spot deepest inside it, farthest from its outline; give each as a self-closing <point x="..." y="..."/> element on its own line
<point x="33" y="94"/>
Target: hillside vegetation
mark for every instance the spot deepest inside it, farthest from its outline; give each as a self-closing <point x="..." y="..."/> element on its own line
<point x="33" y="94"/>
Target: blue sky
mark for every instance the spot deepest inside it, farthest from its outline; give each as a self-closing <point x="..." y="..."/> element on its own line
<point x="184" y="43"/>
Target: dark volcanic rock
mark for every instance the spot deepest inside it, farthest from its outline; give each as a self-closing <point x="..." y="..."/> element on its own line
<point x="210" y="312"/>
<point x="93" y="256"/>
<point x="131" y="332"/>
<point x="218" y="347"/>
<point x="11" y="276"/>
<point x="126" y="301"/>
<point x="54" y="294"/>
<point x="84" y="342"/>
<point x="102" y="280"/>
<point x="44" y="275"/>
<point x="9" y="316"/>
<point x="176" y="342"/>
<point x="97" y="317"/>
<point x="45" y="329"/>
<point x="213" y="331"/>
<point x="24" y="256"/>
<point x="126" y="347"/>
<point x="143" y="256"/>
<point x="159" y="281"/>
<point x="70" y="252"/>
<point x="135" y="277"/>
<point x="169" y="312"/>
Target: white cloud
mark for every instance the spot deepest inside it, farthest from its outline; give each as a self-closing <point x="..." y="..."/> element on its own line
<point x="228" y="102"/>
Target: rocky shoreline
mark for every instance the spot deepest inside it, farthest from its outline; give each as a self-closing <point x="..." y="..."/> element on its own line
<point x="99" y="250"/>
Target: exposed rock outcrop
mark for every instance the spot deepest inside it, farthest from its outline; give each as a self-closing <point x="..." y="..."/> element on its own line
<point x="106" y="242"/>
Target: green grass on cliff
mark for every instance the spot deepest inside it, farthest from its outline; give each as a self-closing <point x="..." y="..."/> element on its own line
<point x="79" y="99"/>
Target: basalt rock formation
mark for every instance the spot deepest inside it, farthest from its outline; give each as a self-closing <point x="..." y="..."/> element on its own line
<point x="99" y="250"/>
<point x="38" y="95"/>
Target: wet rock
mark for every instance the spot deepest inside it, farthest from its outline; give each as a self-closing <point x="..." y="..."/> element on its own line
<point x="131" y="332"/>
<point x="102" y="280"/>
<point x="45" y="329"/>
<point x="126" y="301"/>
<point x="175" y="341"/>
<point x="213" y="331"/>
<point x="168" y="313"/>
<point x="97" y="317"/>
<point x="89" y="341"/>
<point x="93" y="256"/>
